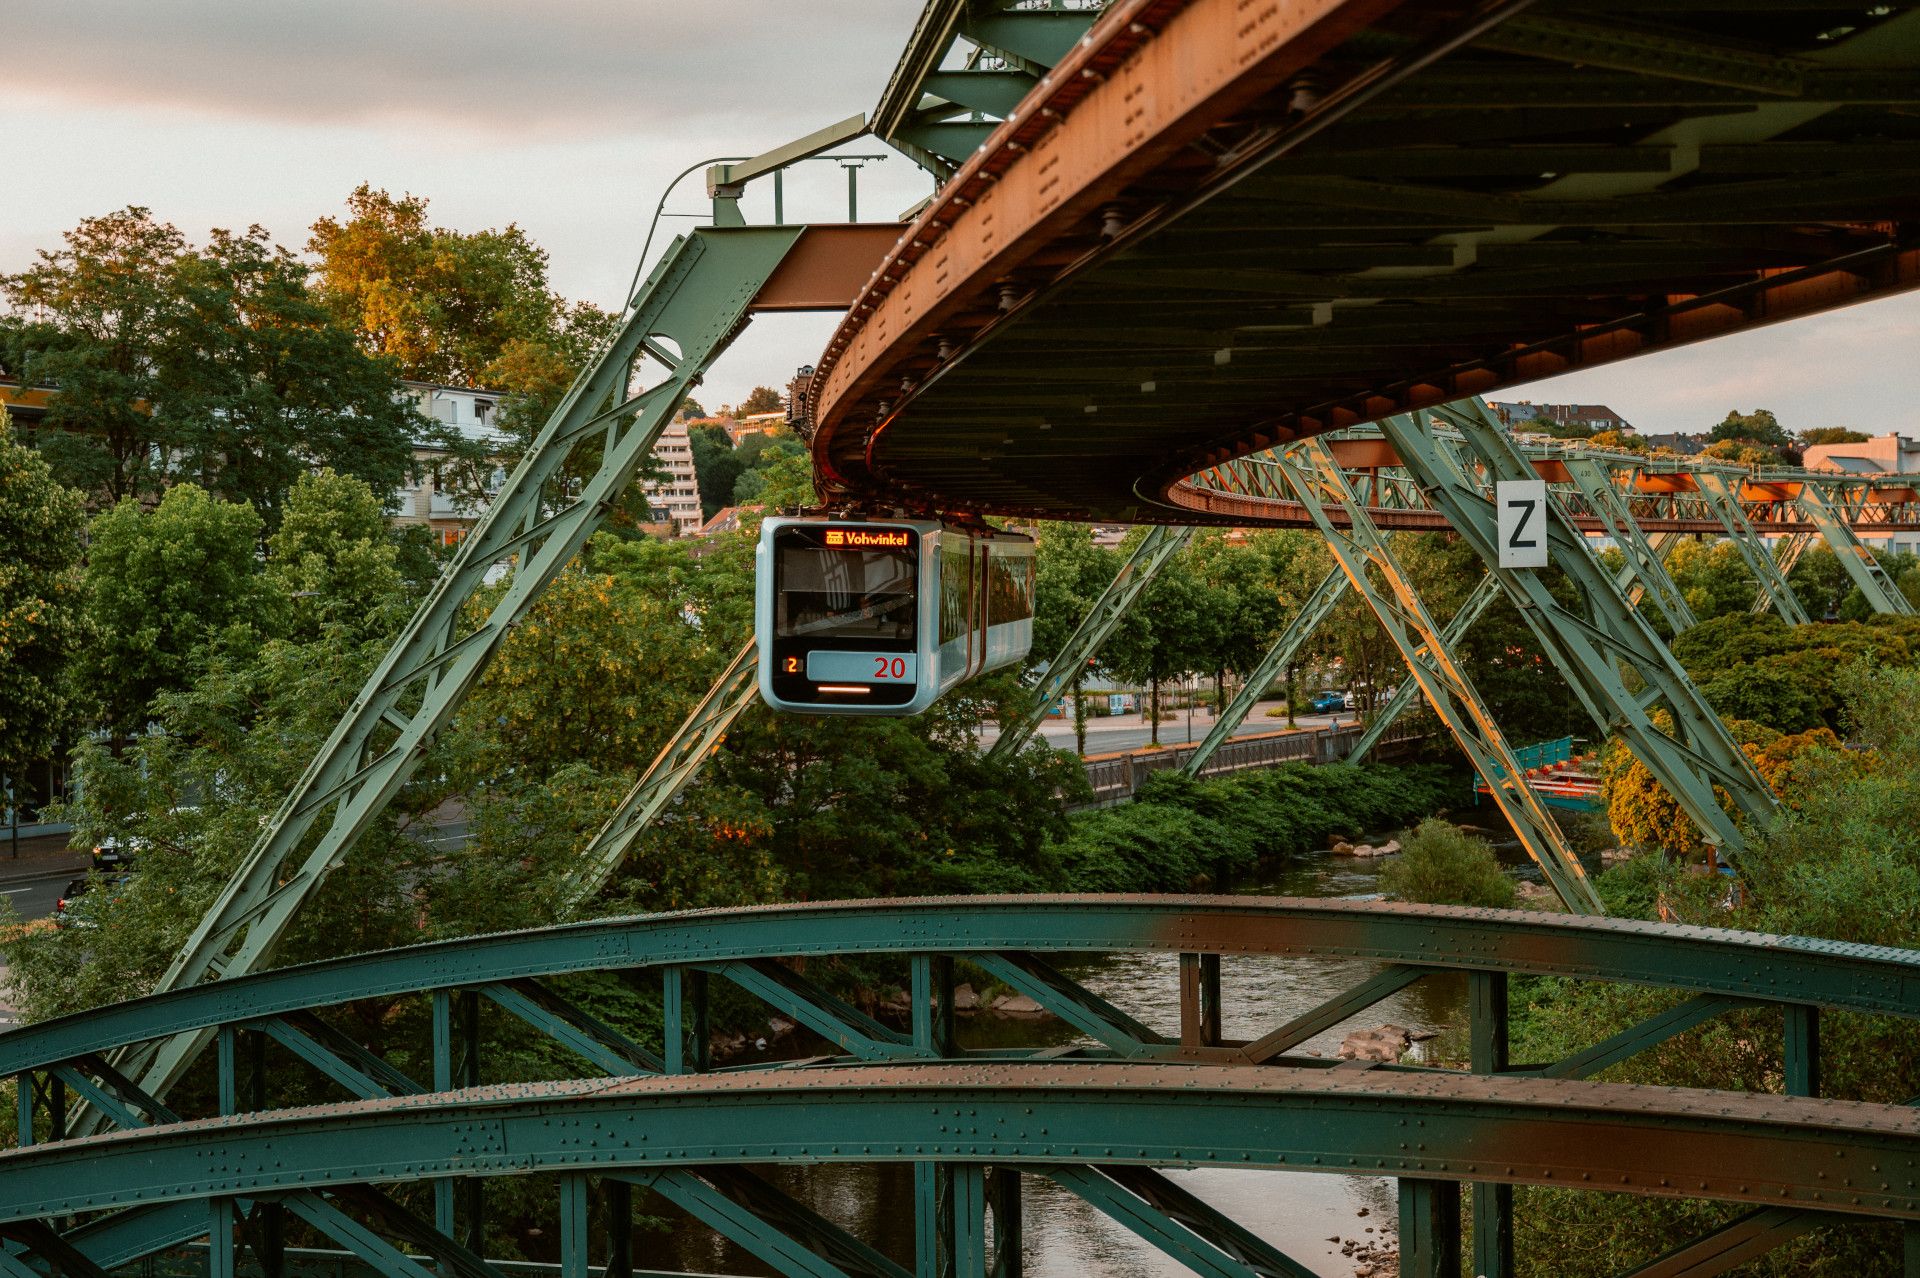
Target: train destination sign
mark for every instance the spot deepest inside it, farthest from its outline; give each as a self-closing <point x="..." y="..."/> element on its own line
<point x="868" y="538"/>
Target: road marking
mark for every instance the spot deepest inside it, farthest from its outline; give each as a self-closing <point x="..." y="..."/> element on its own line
<point x="13" y="891"/>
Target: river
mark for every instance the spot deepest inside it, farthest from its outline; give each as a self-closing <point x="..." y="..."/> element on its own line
<point x="1309" y="1216"/>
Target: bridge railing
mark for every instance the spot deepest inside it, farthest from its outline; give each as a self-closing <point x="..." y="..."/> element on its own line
<point x="1117" y="778"/>
<point x="1152" y="1085"/>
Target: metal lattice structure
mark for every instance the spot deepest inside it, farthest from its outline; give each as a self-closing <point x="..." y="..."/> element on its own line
<point x="1154" y="552"/>
<point x="679" y="759"/>
<point x="1143" y="1090"/>
<point x="1591" y="641"/>
<point x="1376" y="576"/>
<point x="1314" y="610"/>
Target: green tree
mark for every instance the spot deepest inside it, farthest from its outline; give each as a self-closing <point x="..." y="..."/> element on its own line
<point x="1242" y="610"/>
<point x="100" y="309"/>
<point x="40" y="619"/>
<point x="715" y="467"/>
<point x="1712" y="577"/>
<point x="1620" y="439"/>
<point x="444" y="305"/>
<point x="1441" y="864"/>
<point x="333" y="563"/>
<point x="761" y="399"/>
<point x="256" y="385"/>
<point x="1070" y="573"/>
<point x="160" y="587"/>
<point x="1164" y="637"/>
<point x="1832" y="435"/>
<point x="1758" y="427"/>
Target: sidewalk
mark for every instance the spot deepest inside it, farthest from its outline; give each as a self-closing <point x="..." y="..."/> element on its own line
<point x="39" y="856"/>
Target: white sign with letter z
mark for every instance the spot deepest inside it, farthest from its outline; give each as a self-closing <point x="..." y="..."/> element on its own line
<point x="1522" y="524"/>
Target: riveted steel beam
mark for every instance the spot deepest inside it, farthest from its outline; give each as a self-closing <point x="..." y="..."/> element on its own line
<point x="1316" y="478"/>
<point x="1588" y="645"/>
<point x="1760" y="1149"/>
<point x="1069" y="1000"/>
<point x="1182" y="1226"/>
<point x="1476" y="603"/>
<point x="779" y="1230"/>
<point x="596" y="1042"/>
<point x="1596" y="484"/>
<point x="1693" y="960"/>
<point x="672" y="768"/>
<point x="1882" y="595"/>
<point x="1300" y="627"/>
<point x="827" y="1015"/>
<point x="1153" y="553"/>
<point x="1722" y="495"/>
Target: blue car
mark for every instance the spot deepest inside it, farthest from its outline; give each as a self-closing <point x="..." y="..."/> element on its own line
<point x="1327" y="702"/>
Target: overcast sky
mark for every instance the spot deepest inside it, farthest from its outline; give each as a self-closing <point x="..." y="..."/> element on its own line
<point x="569" y="117"/>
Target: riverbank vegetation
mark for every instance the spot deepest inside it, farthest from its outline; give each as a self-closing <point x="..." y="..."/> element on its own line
<point x="1839" y="863"/>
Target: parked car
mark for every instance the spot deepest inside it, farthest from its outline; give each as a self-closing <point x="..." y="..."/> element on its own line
<point x="117" y="852"/>
<point x="1346" y="701"/>
<point x="1329" y="701"/>
<point x="71" y="911"/>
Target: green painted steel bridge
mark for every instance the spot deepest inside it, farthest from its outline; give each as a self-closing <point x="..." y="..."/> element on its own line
<point x="1186" y="262"/>
<point x="399" y="1168"/>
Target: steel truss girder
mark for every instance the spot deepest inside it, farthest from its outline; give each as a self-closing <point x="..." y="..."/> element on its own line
<point x="1475" y="604"/>
<point x="1725" y="970"/>
<point x="1693" y="961"/>
<point x="1153" y="553"/>
<point x="679" y="759"/>
<point x="1882" y="595"/>
<point x="1596" y="484"/>
<point x="1308" y="618"/>
<point x="1631" y="584"/>
<point x="697" y="298"/>
<point x="781" y="1231"/>
<point x="1587" y="650"/>
<point x="1362" y="550"/>
<point x="1758" y="1149"/>
<point x="1723" y="500"/>
<point x="1173" y="1220"/>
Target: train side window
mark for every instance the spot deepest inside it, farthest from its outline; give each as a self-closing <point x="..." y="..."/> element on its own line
<point x="1011" y="589"/>
<point x="955" y="590"/>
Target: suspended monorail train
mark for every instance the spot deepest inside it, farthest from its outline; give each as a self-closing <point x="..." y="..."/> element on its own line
<point x="881" y="616"/>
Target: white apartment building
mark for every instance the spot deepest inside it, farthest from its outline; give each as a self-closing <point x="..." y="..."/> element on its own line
<point x="437" y="500"/>
<point x="676" y="499"/>
<point x="444" y="503"/>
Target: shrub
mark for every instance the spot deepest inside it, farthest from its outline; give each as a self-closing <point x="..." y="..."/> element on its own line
<point x="1443" y="865"/>
<point x="1179" y="833"/>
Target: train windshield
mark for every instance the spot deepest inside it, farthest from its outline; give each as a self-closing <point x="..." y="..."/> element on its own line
<point x="839" y="593"/>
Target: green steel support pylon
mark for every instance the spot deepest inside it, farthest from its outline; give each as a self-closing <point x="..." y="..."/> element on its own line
<point x="1319" y="483"/>
<point x="1883" y="596"/>
<point x="1319" y="605"/>
<point x="1589" y="649"/>
<point x="1784" y="557"/>
<point x="1629" y="581"/>
<point x="692" y="305"/>
<point x="1454" y="631"/>
<point x="736" y="689"/>
<point x="1595" y="483"/>
<point x="1723" y="499"/>
<point x="1159" y="546"/>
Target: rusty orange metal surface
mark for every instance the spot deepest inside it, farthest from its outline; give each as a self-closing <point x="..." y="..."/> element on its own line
<point x="1150" y="77"/>
<point x="828" y="267"/>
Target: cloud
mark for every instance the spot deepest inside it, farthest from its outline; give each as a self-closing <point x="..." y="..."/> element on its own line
<point x="574" y="67"/>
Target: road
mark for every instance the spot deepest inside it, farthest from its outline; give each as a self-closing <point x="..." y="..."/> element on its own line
<point x="1130" y="732"/>
<point x="33" y="898"/>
